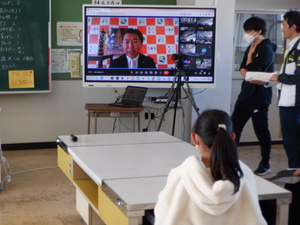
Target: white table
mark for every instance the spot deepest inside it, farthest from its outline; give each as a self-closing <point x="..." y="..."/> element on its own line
<point x="130" y="194"/>
<point x="131" y="160"/>
<point x="121" y="175"/>
<point x="116" y="139"/>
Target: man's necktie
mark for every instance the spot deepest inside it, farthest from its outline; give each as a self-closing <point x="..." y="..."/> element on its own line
<point x="132" y="64"/>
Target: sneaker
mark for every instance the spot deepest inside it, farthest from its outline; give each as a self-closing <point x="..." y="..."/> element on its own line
<point x="262" y="170"/>
<point x="289" y="168"/>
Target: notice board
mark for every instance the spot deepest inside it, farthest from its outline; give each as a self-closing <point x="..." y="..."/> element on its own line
<point x="24" y="46"/>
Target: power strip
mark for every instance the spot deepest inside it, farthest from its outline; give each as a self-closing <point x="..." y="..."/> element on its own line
<point x="161" y="100"/>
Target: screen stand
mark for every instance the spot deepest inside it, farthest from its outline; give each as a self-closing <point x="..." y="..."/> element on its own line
<point x="176" y="92"/>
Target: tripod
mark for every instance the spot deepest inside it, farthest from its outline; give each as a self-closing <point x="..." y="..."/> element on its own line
<point x="179" y="80"/>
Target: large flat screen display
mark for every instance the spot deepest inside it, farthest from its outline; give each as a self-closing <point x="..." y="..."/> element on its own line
<point x="148" y="46"/>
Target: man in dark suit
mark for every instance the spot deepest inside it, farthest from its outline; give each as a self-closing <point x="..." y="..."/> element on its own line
<point x="132" y="41"/>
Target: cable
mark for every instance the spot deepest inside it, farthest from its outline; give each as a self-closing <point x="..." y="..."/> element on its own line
<point x="200" y="91"/>
<point x="124" y="125"/>
<point x="6" y="167"/>
<point x="4" y="163"/>
<point x="151" y="110"/>
<point x="119" y="96"/>
<point x="114" y="125"/>
<point x="31" y="170"/>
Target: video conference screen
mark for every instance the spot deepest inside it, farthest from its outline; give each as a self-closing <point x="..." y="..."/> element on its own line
<point x="147" y="46"/>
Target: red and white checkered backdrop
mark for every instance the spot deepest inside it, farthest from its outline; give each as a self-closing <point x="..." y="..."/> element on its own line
<point x="160" y="37"/>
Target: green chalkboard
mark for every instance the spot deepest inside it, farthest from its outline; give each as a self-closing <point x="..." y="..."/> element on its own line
<point x="24" y="46"/>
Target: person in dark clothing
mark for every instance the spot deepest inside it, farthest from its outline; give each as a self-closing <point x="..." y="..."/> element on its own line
<point x="254" y="100"/>
<point x="132" y="41"/>
<point x="289" y="89"/>
<point x="289" y="105"/>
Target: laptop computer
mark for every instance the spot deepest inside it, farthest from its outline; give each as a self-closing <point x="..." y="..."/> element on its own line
<point x="133" y="97"/>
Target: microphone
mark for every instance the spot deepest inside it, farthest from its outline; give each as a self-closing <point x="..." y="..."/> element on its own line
<point x="74" y="138"/>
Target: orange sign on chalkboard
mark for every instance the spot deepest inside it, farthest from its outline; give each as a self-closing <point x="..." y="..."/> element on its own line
<point x="21" y="79"/>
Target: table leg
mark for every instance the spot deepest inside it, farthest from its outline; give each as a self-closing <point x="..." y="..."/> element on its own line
<point x="89" y="122"/>
<point x="282" y="215"/>
<point x="133" y="122"/>
<point x="96" y="116"/>
<point x="139" y="121"/>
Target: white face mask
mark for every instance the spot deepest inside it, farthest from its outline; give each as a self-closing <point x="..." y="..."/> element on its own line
<point x="249" y="38"/>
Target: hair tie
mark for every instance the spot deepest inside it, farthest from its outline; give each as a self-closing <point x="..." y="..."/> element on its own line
<point x="222" y="126"/>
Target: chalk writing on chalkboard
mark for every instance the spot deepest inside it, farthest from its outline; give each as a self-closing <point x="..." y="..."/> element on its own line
<point x="11" y="50"/>
<point x="24" y="46"/>
<point x="107" y="2"/>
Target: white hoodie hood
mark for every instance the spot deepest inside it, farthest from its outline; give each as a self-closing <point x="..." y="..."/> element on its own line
<point x="190" y="197"/>
<point x="214" y="198"/>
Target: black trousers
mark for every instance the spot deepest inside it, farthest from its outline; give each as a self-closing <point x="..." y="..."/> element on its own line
<point x="294" y="209"/>
<point x="259" y="114"/>
<point x="290" y="124"/>
<point x="268" y="207"/>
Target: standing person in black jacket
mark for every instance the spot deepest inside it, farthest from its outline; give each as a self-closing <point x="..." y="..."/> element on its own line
<point x="254" y="100"/>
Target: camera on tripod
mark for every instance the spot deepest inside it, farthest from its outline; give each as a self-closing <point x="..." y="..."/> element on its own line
<point x="180" y="59"/>
<point x="175" y="93"/>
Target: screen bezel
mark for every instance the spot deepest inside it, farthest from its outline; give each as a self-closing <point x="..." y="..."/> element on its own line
<point x="148" y="84"/>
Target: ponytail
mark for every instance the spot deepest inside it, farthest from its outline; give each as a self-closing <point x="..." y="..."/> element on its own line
<point x="224" y="159"/>
<point x="215" y="128"/>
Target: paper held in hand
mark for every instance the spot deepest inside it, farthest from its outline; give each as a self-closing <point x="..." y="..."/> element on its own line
<point x="261" y="76"/>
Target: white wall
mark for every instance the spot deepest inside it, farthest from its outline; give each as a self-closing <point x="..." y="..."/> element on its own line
<point x="267" y="4"/>
<point x="26" y="118"/>
<point x="185" y="2"/>
<point x="220" y="96"/>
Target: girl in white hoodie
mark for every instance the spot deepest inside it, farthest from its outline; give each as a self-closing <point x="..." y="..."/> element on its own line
<point x="215" y="188"/>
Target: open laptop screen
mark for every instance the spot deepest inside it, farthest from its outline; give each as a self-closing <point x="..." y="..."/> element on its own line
<point x="134" y="95"/>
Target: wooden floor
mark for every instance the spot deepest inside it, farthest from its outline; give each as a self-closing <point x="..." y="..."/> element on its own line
<point x="40" y="194"/>
<point x="251" y="156"/>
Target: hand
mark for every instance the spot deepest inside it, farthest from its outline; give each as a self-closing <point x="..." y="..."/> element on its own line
<point x="250" y="54"/>
<point x="259" y="82"/>
<point x="243" y="72"/>
<point x="274" y="78"/>
<point x="252" y="49"/>
<point x="297" y="172"/>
